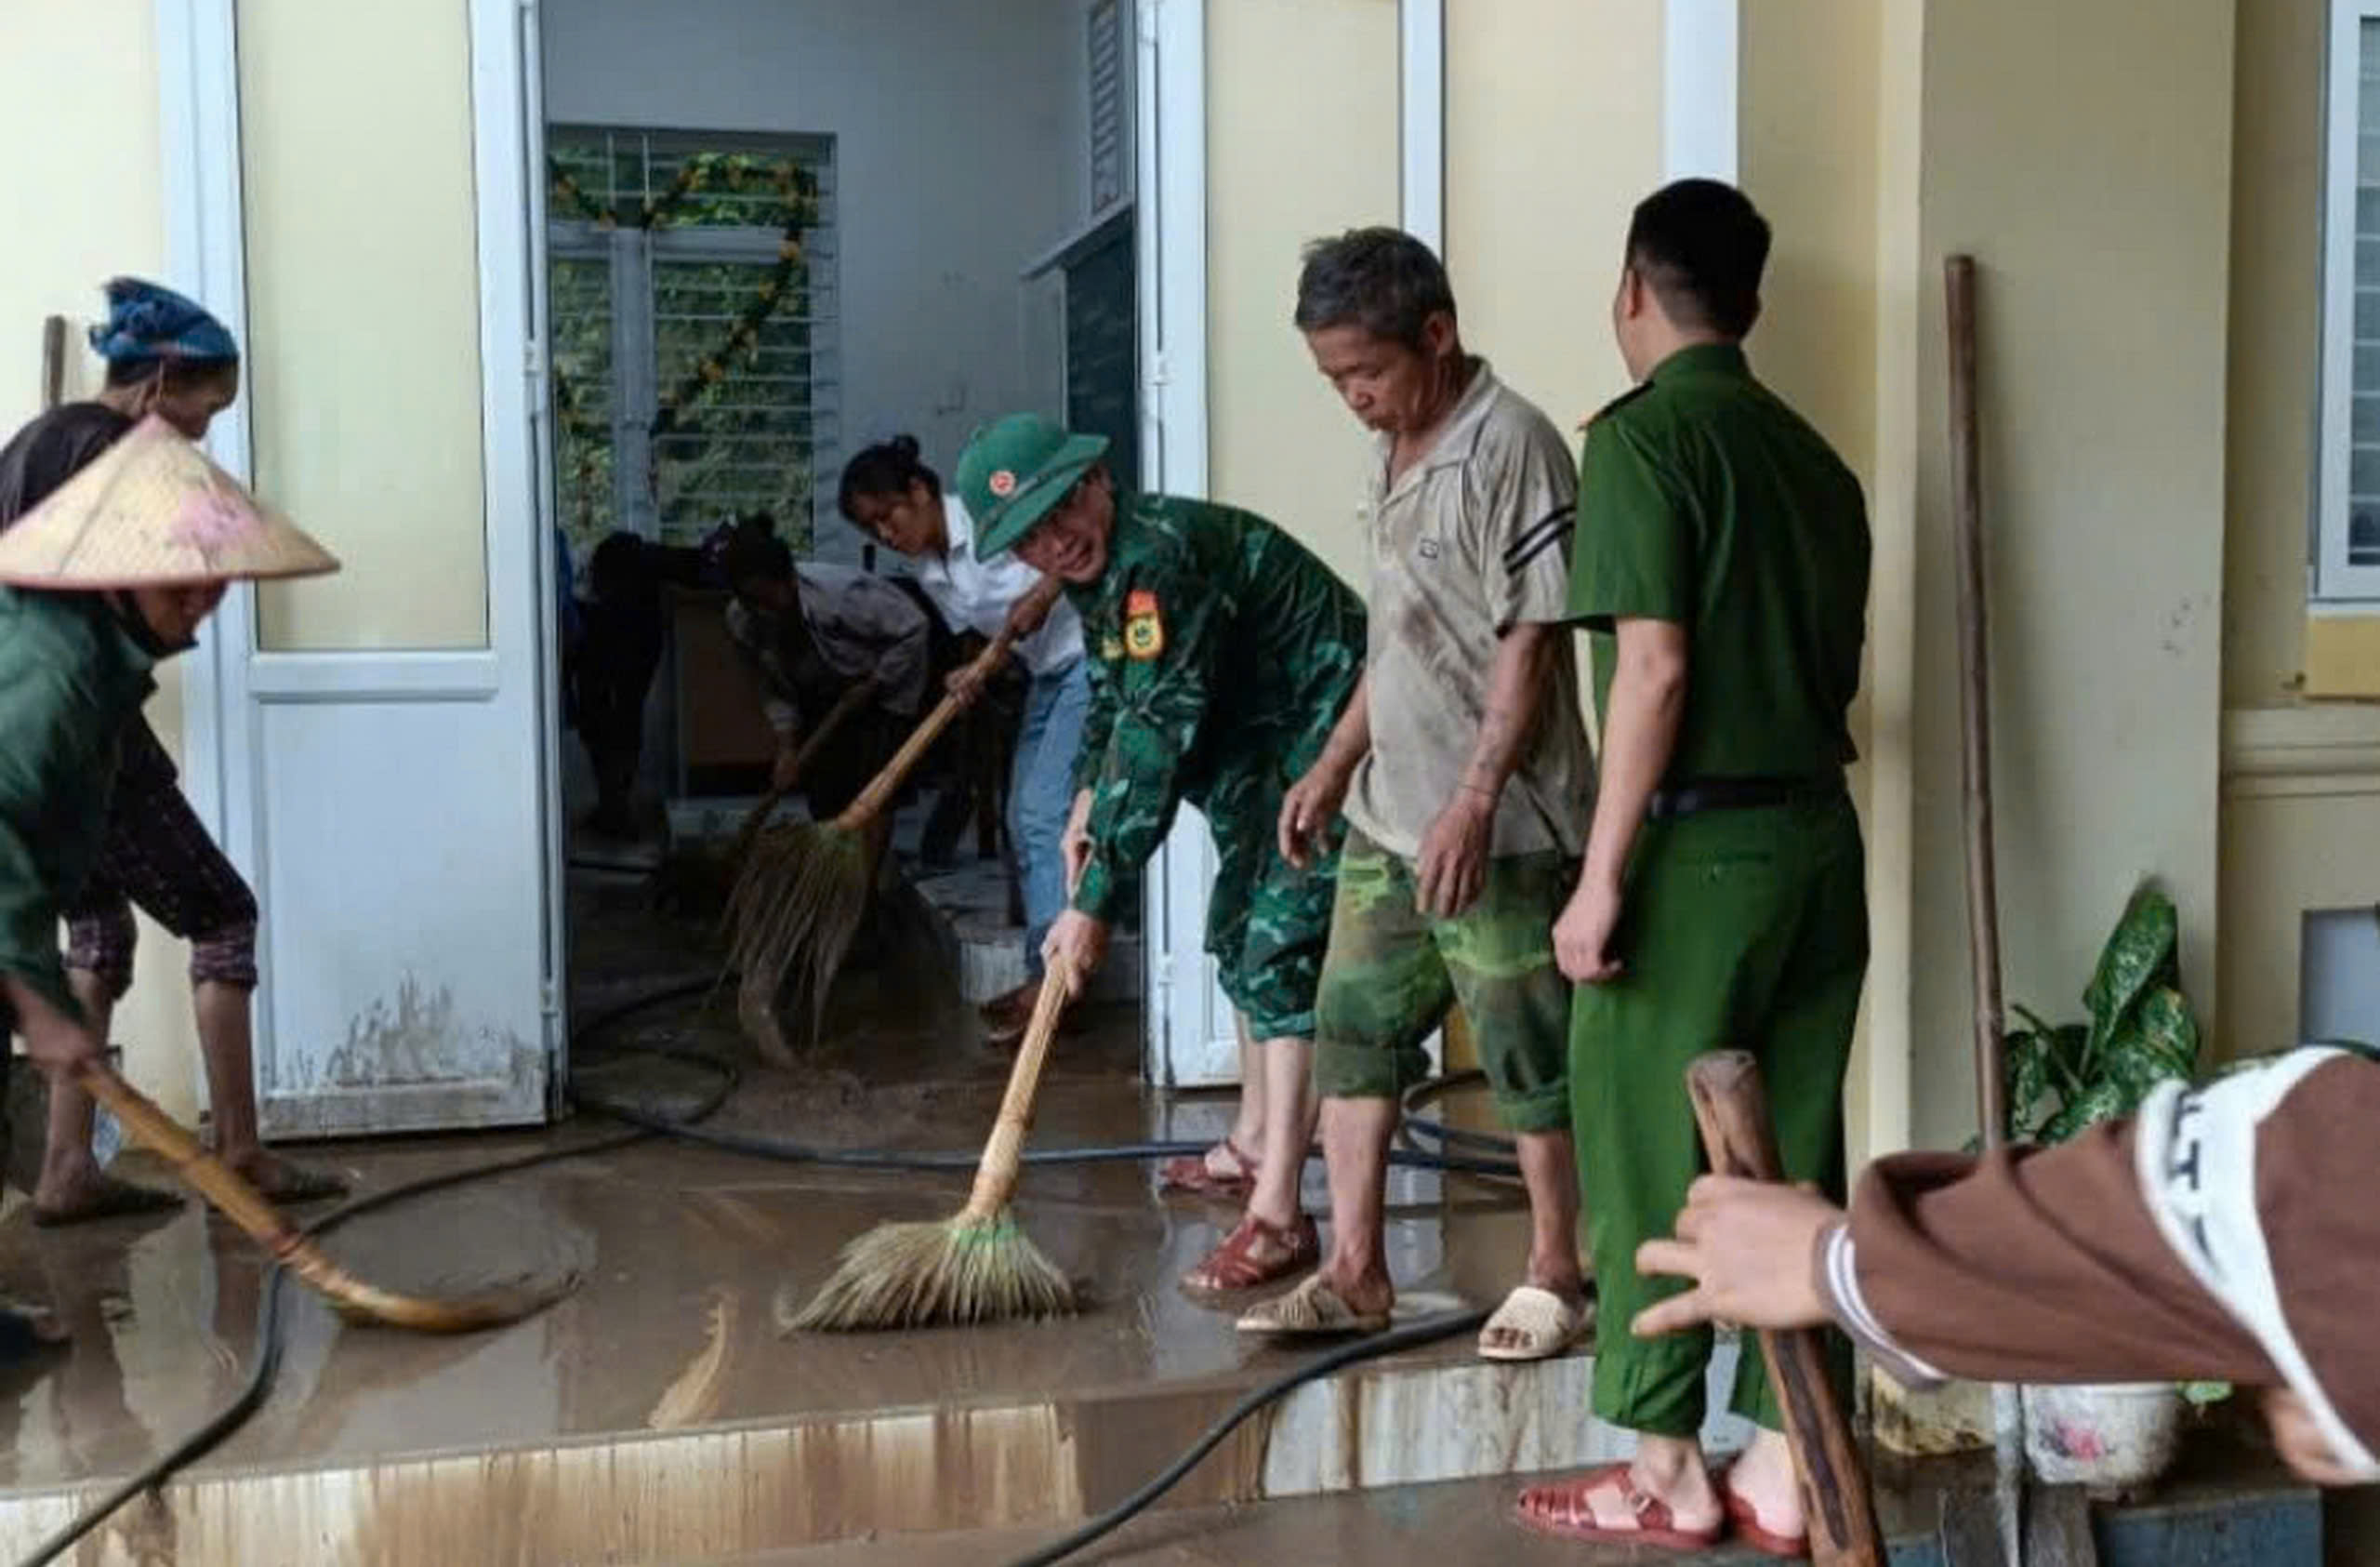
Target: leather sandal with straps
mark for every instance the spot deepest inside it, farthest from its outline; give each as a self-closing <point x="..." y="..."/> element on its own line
<point x="1232" y="1266"/>
<point x="1565" y="1509"/>
<point x="1193" y="1174"/>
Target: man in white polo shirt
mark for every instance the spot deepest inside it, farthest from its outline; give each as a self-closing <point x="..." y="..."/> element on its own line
<point x="1465" y="776"/>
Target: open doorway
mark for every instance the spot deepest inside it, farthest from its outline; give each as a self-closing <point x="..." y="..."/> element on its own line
<point x="778" y="231"/>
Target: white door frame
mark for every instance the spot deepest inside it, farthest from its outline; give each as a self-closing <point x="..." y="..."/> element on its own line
<point x="227" y="679"/>
<point x="1183" y="1012"/>
<point x="1190" y="1036"/>
<point x="1701" y="89"/>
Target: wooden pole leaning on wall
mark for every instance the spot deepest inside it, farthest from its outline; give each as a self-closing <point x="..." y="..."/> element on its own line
<point x="53" y="362"/>
<point x="1975" y="704"/>
<point x="1732" y="1108"/>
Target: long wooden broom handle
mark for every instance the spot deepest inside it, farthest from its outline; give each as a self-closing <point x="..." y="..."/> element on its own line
<point x="245" y="1206"/>
<point x="1732" y="1109"/>
<point x="1004" y="1150"/>
<point x="872" y="798"/>
<point x="847" y="704"/>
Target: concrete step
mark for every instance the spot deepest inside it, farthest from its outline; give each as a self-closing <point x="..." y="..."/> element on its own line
<point x="2224" y="1507"/>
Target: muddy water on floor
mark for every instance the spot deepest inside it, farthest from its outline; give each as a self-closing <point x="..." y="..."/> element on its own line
<point x="682" y="1254"/>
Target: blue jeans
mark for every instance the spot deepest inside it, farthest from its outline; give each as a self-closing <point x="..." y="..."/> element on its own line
<point x="1041" y="794"/>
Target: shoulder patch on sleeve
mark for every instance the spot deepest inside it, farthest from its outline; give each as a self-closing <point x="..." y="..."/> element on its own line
<point x="1618" y="402"/>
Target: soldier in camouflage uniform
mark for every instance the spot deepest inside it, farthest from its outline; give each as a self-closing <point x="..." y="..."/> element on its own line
<point x="1223" y="653"/>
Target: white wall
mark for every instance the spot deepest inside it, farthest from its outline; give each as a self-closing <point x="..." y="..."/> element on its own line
<point x="959" y="129"/>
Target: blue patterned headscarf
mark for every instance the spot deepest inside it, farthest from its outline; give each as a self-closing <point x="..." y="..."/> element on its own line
<point x="146" y="321"/>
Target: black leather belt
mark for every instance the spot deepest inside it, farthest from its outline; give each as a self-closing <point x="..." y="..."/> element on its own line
<point x="1697" y="796"/>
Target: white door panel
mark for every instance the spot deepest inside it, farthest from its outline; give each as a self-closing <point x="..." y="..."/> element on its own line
<point x="391" y="807"/>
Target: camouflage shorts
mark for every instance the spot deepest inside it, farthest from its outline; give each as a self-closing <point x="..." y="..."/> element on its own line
<point x="1393" y="973"/>
<point x="1267" y="921"/>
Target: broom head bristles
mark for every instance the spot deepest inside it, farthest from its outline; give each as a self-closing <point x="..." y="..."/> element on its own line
<point x="956" y="1273"/>
<point x="797" y="905"/>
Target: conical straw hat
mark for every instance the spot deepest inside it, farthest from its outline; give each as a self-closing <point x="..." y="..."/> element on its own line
<point x="150" y="511"/>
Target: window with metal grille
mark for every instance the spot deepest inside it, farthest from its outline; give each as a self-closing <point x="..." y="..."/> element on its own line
<point x="693" y="304"/>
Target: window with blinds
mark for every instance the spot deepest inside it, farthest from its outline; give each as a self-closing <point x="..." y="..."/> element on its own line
<point x="1111" y="105"/>
<point x="693" y="308"/>
<point x="2347" y="524"/>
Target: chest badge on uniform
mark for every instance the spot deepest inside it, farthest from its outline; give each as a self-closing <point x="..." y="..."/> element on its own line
<point x="1143" y="625"/>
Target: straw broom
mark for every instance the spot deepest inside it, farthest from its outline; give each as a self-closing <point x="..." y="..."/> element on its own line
<point x="245" y="1206"/>
<point x="979" y="1267"/>
<point x="802" y="891"/>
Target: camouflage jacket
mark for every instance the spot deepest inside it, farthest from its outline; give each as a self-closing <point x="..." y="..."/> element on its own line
<point x="1219" y="646"/>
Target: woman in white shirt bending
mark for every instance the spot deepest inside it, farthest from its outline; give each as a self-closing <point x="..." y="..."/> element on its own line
<point x="889" y="494"/>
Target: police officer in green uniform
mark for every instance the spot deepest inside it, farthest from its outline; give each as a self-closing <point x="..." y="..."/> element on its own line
<point x="1722" y="564"/>
<point x="1222" y="652"/>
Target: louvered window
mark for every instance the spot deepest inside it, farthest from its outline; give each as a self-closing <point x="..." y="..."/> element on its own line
<point x="1111" y="106"/>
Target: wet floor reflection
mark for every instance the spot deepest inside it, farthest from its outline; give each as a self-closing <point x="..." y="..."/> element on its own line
<point x="683" y="1252"/>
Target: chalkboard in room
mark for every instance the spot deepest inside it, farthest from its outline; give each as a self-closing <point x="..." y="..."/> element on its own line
<point x="1103" y="358"/>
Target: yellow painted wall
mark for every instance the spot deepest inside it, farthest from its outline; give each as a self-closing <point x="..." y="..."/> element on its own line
<point x="2276" y="328"/>
<point x="1301" y="141"/>
<point x="1810" y="159"/>
<point x="1553" y="132"/>
<point x="79" y="99"/>
<point x="363" y="315"/>
<point x="2301" y="778"/>
<point x="2096" y="196"/>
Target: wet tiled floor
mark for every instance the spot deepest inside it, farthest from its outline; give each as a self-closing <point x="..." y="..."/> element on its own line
<point x="682" y="1254"/>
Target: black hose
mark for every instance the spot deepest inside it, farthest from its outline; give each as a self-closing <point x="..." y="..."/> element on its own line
<point x="251" y="1397"/>
<point x="647" y="1123"/>
<point x="1429" y="1330"/>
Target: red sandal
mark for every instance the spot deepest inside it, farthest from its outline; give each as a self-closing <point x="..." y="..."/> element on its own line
<point x="1746" y="1518"/>
<point x="1233" y="1267"/>
<point x="1192" y="1173"/>
<point x="1564" y="1510"/>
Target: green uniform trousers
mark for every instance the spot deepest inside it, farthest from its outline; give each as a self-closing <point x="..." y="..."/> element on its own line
<point x="1744" y="930"/>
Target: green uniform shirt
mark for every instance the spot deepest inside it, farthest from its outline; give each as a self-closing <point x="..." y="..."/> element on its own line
<point x="1704" y="500"/>
<point x="71" y="681"/>
<point x="1217" y="643"/>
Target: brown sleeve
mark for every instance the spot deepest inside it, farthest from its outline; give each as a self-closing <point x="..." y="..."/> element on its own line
<point x="2037" y="1265"/>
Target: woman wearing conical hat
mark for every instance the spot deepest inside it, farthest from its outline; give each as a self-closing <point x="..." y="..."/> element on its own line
<point x="120" y="537"/>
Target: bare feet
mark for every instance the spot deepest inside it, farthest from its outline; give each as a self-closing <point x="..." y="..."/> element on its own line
<point x="86" y="1193"/>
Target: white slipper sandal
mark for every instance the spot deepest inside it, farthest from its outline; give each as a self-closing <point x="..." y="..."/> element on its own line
<point x="1546" y="1324"/>
<point x="1312" y="1311"/>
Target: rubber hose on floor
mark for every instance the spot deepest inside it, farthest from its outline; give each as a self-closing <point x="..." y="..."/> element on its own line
<point x="646" y="1123"/>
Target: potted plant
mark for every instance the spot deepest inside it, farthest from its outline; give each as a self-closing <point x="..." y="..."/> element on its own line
<point x="2063" y="1078"/>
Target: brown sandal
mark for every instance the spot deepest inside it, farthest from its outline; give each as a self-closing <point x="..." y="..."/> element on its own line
<point x="1233" y="1267"/>
<point x="1191" y="1173"/>
<point x="1563" y="1509"/>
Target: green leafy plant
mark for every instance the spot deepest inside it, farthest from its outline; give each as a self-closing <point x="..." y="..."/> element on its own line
<point x="2067" y="1076"/>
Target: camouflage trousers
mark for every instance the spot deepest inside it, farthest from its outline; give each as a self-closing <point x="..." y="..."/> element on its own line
<point x="1267" y="921"/>
<point x="1394" y="972"/>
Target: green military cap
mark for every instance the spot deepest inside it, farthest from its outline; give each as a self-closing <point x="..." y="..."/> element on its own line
<point x="1014" y="469"/>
